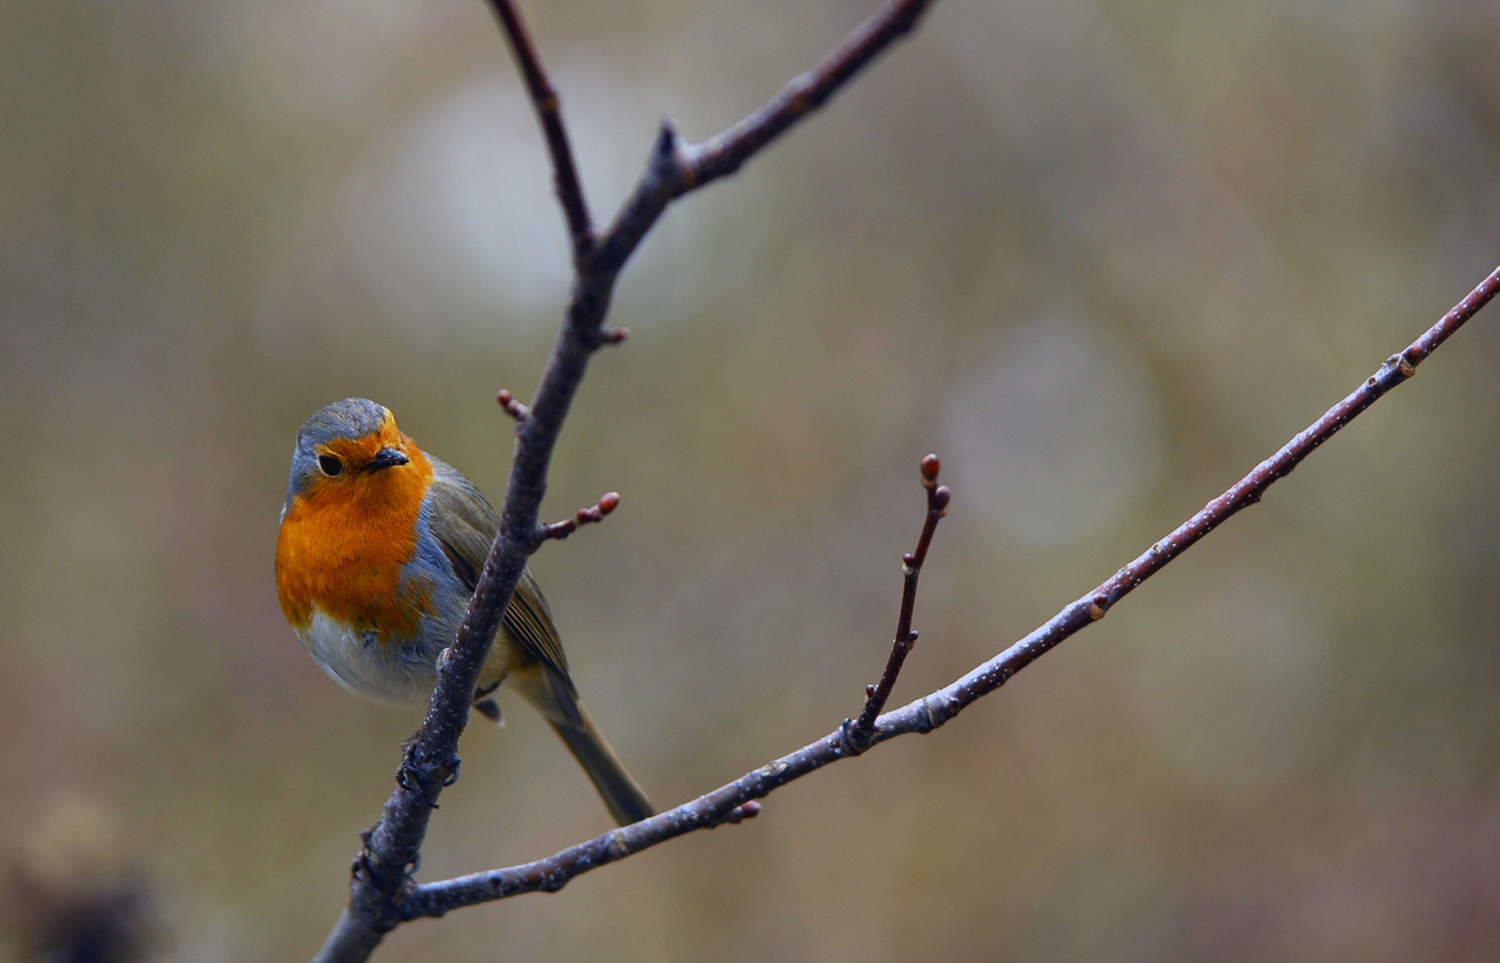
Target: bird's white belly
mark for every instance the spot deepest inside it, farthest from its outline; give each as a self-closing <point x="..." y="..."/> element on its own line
<point x="357" y="661"/>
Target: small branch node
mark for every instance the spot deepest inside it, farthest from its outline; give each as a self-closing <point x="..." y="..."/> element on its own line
<point x="609" y="334"/>
<point x="511" y="406"/>
<point x="929" y="715"/>
<point x="853" y="737"/>
<point x="667" y="138"/>
<point x="668" y="160"/>
<point x="742" y="812"/>
<point x="423" y="780"/>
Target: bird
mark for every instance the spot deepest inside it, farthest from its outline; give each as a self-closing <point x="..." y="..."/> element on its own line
<point x="379" y="551"/>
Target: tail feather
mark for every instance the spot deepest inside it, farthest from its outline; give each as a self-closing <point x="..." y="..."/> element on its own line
<point x="624" y="798"/>
<point x="556" y="699"/>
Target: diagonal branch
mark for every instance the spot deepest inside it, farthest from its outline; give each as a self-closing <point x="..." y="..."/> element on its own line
<point x="725" y="153"/>
<point x="933" y="710"/>
<point x="381" y="884"/>
<point x="549" y="113"/>
<point x="677" y="168"/>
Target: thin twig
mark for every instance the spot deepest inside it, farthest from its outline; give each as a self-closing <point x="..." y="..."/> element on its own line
<point x="676" y="167"/>
<point x="584" y="516"/>
<point x="933" y="710"/>
<point x="381" y="885"/>
<point x="549" y="112"/>
<point x="725" y="153"/>
<point x="858" y="732"/>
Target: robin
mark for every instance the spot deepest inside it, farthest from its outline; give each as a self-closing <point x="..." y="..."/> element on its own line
<point x="381" y="546"/>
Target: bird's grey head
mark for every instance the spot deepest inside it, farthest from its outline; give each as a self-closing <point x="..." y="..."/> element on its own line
<point x="353" y="420"/>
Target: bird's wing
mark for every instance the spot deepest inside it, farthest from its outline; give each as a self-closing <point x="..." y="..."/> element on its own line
<point x="465" y="525"/>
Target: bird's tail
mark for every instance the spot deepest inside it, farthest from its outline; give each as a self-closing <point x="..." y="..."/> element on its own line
<point x="558" y="701"/>
<point x="624" y="797"/>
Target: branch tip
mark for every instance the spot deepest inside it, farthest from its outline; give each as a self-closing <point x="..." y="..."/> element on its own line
<point x="594" y="514"/>
<point x="857" y="735"/>
<point x="511" y="406"/>
<point x="548" y="108"/>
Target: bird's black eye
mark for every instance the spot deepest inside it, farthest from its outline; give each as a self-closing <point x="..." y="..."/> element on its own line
<point x="331" y="466"/>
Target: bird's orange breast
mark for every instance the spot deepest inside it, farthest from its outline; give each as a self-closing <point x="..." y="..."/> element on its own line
<point x="343" y="545"/>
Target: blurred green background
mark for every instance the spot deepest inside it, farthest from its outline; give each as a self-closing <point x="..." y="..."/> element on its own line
<point x="1101" y="256"/>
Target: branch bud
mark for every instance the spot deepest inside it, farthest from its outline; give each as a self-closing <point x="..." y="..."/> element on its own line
<point x="511" y="406"/>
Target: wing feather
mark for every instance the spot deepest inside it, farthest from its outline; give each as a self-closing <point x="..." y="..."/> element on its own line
<point x="465" y="524"/>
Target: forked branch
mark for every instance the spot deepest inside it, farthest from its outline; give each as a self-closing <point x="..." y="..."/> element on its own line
<point x="381" y="886"/>
<point x="858" y="732"/>
<point x="382" y="892"/>
<point x="937" y="708"/>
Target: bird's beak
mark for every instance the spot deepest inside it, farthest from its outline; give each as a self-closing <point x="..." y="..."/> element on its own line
<point x="385" y="458"/>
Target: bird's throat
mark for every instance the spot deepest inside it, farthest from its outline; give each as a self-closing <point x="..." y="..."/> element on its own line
<point x="344" y="544"/>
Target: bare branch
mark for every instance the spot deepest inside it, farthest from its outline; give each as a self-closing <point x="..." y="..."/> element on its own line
<point x="728" y="151"/>
<point x="857" y="733"/>
<point x="584" y="516"/>
<point x="549" y="113"/>
<point x="381" y="885"/>
<point x="382" y="893"/>
<point x="676" y="168"/>
<point x="937" y="708"/>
